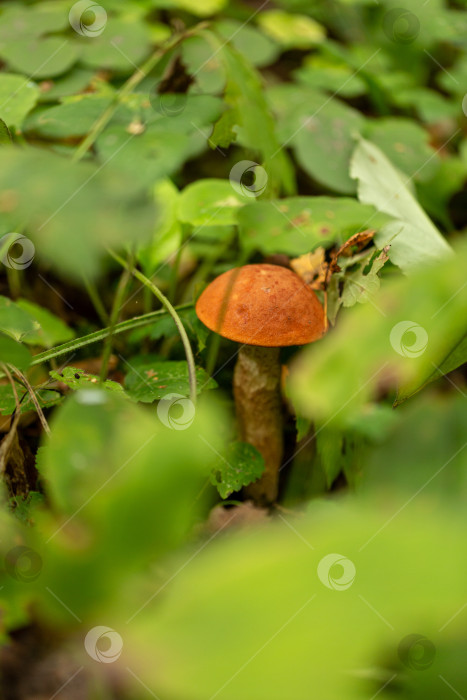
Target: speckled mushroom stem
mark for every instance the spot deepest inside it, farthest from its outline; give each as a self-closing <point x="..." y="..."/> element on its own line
<point x="256" y="387"/>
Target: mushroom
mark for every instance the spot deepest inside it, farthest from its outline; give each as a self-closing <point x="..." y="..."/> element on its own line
<point x="264" y="307"/>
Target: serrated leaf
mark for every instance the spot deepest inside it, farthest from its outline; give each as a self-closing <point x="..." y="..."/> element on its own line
<point x="413" y="238"/>
<point x="76" y="378"/>
<point x="151" y="379"/>
<point x="241" y="465"/>
<point x="360" y="286"/>
<point x="45" y="398"/>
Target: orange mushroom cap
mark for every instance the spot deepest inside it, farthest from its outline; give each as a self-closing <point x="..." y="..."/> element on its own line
<point x="263" y="305"/>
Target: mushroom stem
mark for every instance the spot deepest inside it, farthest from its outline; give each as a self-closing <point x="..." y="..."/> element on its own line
<point x="256" y="387"/>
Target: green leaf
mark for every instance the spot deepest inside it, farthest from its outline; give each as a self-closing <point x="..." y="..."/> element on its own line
<point x="43" y="58"/>
<point x="210" y="202"/>
<point x="413" y="238"/>
<point x="360" y="285"/>
<point x="254" y="124"/>
<point x="254" y="45"/>
<point x="75" y="81"/>
<point x="412" y="325"/>
<point x="14" y="353"/>
<point x="204" y="9"/>
<point x="330" y="74"/>
<point x="5" y="136"/>
<point x="74" y="118"/>
<point x="76" y="379"/>
<point x="15" y="321"/>
<point x="150" y="379"/>
<point x="45" y="398"/>
<point x="277" y="593"/>
<point x="74" y="211"/>
<point x="406" y="144"/>
<point x="295" y="225"/>
<point x="321" y="130"/>
<point x="120" y="46"/>
<point x="291" y="31"/>
<point x="167" y="234"/>
<point x="18" y="95"/>
<point x="32" y="21"/>
<point x="51" y="331"/>
<point x="128" y="483"/>
<point x="455" y="358"/>
<point x="241" y="465"/>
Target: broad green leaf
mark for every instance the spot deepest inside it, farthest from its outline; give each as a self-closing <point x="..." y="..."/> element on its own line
<point x="299" y="589"/>
<point x="45" y="398"/>
<point x="115" y="472"/>
<point x="15" y="321"/>
<point x="204" y="9"/>
<point x="241" y="465"/>
<point x="150" y="380"/>
<point x="5" y="136"/>
<point x="321" y="130"/>
<point x="18" y="95"/>
<point x="412" y="325"/>
<point x="34" y="20"/>
<point x="291" y="31"/>
<point x="406" y="145"/>
<point x="70" y="84"/>
<point x="296" y="225"/>
<point x="120" y="46"/>
<point x="258" y="48"/>
<point x="210" y="202"/>
<point x="429" y="104"/>
<point x="413" y="238"/>
<point x="73" y="212"/>
<point x="40" y="58"/>
<point x="14" y="353"/>
<point x="51" y="331"/>
<point x="76" y="379"/>
<point x="361" y="285"/>
<point x="329" y="74"/>
<point x="73" y="118"/>
<point x="167" y="234"/>
<point x="456" y="358"/>
<point x="254" y="126"/>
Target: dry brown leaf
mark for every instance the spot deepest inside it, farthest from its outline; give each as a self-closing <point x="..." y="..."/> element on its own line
<point x="360" y="240"/>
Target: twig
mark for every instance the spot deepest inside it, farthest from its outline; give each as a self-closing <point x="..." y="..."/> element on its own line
<point x="33" y="397"/>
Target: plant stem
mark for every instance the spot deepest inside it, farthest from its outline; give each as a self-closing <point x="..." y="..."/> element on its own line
<point x="116" y="307"/>
<point x="96" y="300"/>
<point x="170" y="309"/>
<point x="134" y="80"/>
<point x="97" y="336"/>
